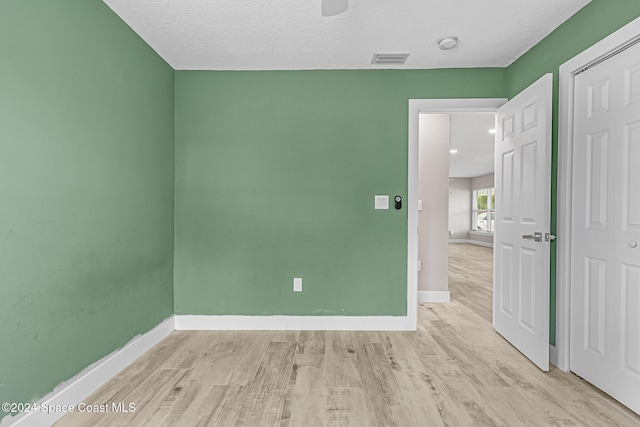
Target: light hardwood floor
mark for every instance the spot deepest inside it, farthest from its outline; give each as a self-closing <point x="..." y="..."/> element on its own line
<point x="454" y="371"/>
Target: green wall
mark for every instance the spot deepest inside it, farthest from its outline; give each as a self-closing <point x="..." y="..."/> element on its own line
<point x="86" y="190"/>
<point x="591" y="24"/>
<point x="275" y="178"/>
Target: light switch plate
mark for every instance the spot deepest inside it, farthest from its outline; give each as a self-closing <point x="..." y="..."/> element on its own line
<point x="382" y="202"/>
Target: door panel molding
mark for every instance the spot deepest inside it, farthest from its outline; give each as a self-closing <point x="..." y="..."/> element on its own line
<point x="523" y="197"/>
<point x="599" y="51"/>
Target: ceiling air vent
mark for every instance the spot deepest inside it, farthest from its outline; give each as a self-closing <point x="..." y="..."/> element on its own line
<point x="389" y="58"/>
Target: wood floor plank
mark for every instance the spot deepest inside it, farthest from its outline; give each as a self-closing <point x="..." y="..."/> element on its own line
<point x="249" y="358"/>
<point x="189" y="353"/>
<point x="443" y="379"/>
<point x="454" y="370"/>
<point x="188" y="403"/>
<point x="265" y="395"/>
<point x="400" y="353"/>
<point x="139" y="371"/>
<point x="422" y="343"/>
<point x="305" y="396"/>
<point x="381" y="390"/>
<point x="163" y="410"/>
<point x="286" y="336"/>
<point x="379" y="403"/>
<point x="311" y="342"/>
<point x="147" y="403"/>
<point x="229" y="341"/>
<point x="220" y="407"/>
<point x="341" y="362"/>
<point x="467" y="359"/>
<point x="215" y="368"/>
<point x="421" y="401"/>
<point x="346" y="407"/>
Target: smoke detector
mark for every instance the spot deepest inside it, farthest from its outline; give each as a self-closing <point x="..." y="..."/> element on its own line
<point x="448" y="42"/>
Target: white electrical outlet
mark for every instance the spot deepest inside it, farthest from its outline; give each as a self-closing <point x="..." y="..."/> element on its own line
<point x="297" y="284"/>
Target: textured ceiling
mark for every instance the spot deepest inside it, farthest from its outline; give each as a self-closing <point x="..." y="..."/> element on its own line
<point x="293" y="35"/>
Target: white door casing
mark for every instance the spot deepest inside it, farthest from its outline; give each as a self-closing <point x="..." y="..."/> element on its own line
<point x="523" y="197"/>
<point x="605" y="252"/>
<point x="417" y="107"/>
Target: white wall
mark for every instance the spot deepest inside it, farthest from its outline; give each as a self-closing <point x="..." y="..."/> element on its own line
<point x="478" y="182"/>
<point x="483" y="181"/>
<point x="433" y="190"/>
<point x="459" y="207"/>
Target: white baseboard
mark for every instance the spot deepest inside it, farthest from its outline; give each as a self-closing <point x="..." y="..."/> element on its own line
<point x="74" y="390"/>
<point x="298" y="323"/>
<point x="472" y="242"/>
<point x="553" y="355"/>
<point x="434" y="296"/>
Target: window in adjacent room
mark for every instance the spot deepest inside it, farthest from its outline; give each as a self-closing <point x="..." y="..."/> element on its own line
<point x="484" y="210"/>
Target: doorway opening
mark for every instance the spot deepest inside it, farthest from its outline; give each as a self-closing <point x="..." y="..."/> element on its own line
<point x="472" y="210"/>
<point x="418" y="107"/>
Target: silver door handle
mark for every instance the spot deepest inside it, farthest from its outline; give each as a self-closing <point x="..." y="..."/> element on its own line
<point x="537" y="236"/>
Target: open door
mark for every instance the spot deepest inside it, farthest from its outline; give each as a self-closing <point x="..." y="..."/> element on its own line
<point x="521" y="239"/>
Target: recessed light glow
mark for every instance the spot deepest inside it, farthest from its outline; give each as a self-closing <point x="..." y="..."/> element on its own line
<point x="454" y="151"/>
<point x="492" y="131"/>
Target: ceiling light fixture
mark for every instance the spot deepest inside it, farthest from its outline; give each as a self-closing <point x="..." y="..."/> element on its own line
<point x="448" y="42"/>
<point x="492" y="131"/>
<point x="453" y="151"/>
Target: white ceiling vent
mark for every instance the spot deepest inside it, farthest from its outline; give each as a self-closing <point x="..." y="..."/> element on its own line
<point x="389" y="58"/>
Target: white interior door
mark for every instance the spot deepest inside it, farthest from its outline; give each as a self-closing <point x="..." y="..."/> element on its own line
<point x="523" y="194"/>
<point x="605" y="257"/>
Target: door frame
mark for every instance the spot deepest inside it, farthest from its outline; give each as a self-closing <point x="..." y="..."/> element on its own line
<point x="568" y="70"/>
<point x="416" y="107"/>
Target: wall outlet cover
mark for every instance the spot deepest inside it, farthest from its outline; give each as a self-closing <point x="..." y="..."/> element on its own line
<point x="297" y="284"/>
<point x="381" y="202"/>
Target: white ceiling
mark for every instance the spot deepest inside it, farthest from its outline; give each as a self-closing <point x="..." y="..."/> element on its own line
<point x="293" y="35"/>
<point x="470" y="136"/>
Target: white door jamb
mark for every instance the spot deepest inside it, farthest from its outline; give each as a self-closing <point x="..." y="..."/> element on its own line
<point x="417" y="106"/>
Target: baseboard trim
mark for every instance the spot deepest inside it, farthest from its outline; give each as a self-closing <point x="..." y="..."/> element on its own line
<point x="434" y="296"/>
<point x="74" y="390"/>
<point x="553" y="355"/>
<point x="298" y="323"/>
